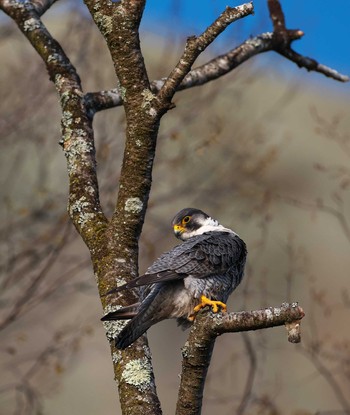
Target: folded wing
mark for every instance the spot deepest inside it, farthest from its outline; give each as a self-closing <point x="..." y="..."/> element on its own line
<point x="200" y="256"/>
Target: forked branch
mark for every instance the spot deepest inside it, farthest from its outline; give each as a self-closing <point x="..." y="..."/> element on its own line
<point x="196" y="45"/>
<point x="279" y="41"/>
<point x="207" y="327"/>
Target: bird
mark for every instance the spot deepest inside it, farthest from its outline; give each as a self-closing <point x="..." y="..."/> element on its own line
<point x="201" y="271"/>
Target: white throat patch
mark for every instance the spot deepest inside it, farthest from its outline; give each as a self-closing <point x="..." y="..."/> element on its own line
<point x="207" y="225"/>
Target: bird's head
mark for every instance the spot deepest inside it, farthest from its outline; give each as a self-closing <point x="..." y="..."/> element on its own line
<point x="191" y="222"/>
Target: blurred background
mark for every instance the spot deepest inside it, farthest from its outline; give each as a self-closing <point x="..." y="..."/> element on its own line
<point x="265" y="150"/>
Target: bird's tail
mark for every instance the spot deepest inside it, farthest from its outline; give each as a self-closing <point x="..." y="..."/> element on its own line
<point x="124" y="313"/>
<point x="138" y="324"/>
<point x="149" y="313"/>
<point x="132" y="331"/>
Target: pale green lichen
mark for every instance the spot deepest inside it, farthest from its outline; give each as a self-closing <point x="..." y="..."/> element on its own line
<point x="59" y="80"/>
<point x="77" y="147"/>
<point x="138" y="373"/>
<point x="54" y="57"/>
<point x="90" y="190"/>
<point x="31" y="24"/>
<point x="66" y="135"/>
<point x="116" y="356"/>
<point x="104" y="22"/>
<point x="120" y="10"/>
<point x="184" y="350"/>
<point x="122" y="92"/>
<point x="64" y="98"/>
<point x="152" y="112"/>
<point x="269" y="313"/>
<point x="79" y="207"/>
<point x="147" y="352"/>
<point x="121" y="281"/>
<point x="148" y="97"/>
<point x="79" y="131"/>
<point x="67" y="118"/>
<point x="113" y="328"/>
<point x="84" y="218"/>
<point x="133" y="205"/>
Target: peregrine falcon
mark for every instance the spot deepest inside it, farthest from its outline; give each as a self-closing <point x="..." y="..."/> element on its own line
<point x="202" y="271"/>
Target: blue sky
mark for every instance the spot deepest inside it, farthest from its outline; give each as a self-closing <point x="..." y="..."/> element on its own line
<point x="326" y="24"/>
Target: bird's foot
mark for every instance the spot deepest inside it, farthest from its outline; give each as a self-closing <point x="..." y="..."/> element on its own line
<point x="206" y="302"/>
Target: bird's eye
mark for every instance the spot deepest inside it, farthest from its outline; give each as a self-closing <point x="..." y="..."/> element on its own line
<point x="186" y="219"/>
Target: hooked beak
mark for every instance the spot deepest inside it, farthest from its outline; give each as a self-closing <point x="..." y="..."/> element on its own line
<point x="178" y="230"/>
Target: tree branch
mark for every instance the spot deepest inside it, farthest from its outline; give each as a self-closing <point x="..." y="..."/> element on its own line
<point x="312" y="65"/>
<point x="77" y="134"/>
<point x="214" y="69"/>
<point x="196" y="45"/>
<point x="119" y="23"/>
<point x="278" y="41"/>
<point x="199" y="346"/>
<point x="220" y="66"/>
<point x="284" y="39"/>
<point x="277" y="17"/>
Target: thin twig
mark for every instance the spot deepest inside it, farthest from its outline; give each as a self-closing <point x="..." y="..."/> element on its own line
<point x="312" y="65"/>
<point x="196" y="45"/>
<point x="279" y="41"/>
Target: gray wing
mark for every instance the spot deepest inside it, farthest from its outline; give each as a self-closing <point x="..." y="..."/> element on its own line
<point x="201" y="256"/>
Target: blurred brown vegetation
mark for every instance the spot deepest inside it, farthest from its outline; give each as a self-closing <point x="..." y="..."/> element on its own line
<point x="263" y="153"/>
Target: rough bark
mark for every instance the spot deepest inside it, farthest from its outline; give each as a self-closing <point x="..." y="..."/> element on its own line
<point x="113" y="244"/>
<point x="207" y="327"/>
<point x="119" y="25"/>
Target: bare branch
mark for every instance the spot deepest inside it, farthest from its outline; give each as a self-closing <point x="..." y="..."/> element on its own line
<point x="199" y="346"/>
<point x="220" y="66"/>
<point x="255" y="320"/>
<point x="283" y="45"/>
<point x="196" y="45"/>
<point x="312" y="65"/>
<point x="277" y="16"/>
<point x="214" y="69"/>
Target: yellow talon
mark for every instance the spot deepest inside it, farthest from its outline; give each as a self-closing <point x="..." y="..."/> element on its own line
<point x="214" y="305"/>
